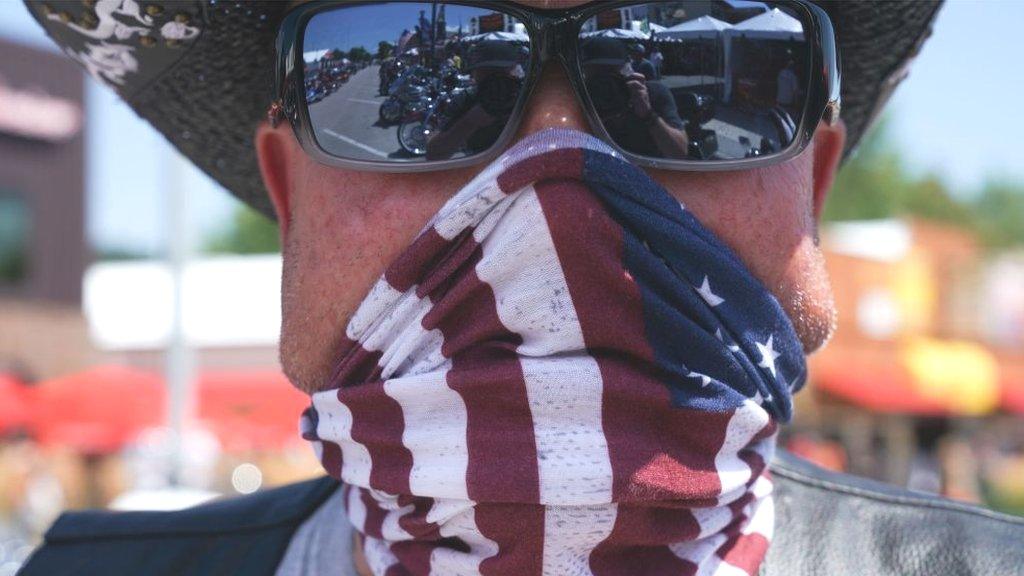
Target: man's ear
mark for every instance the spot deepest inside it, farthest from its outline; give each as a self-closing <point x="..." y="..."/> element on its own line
<point x="828" y="151"/>
<point x="275" y="149"/>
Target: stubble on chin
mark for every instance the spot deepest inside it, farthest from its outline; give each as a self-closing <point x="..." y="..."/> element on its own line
<point x="808" y="300"/>
<point x="311" y="331"/>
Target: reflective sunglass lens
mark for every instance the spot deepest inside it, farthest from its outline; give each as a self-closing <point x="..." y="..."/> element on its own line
<point x="411" y="82"/>
<point x="698" y="79"/>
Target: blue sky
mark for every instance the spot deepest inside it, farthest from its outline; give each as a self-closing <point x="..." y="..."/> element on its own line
<point x="957" y="115"/>
<point x="322" y="31"/>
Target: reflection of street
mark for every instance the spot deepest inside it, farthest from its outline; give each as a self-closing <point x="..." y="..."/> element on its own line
<point x="737" y="129"/>
<point x="348" y="124"/>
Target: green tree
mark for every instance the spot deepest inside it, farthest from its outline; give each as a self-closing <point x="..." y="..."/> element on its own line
<point x="999" y="210"/>
<point x="359" y="54"/>
<point x="384" y="49"/>
<point x="875" y="184"/>
<point x="868" y="185"/>
<point x="248" y="232"/>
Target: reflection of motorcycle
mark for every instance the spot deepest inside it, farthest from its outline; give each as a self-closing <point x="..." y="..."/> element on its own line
<point x="416" y="85"/>
<point x="413" y="85"/>
<point x="698" y="109"/>
<point x="395" y="107"/>
<point x="417" y="129"/>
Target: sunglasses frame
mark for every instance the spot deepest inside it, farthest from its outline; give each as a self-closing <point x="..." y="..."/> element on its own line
<point x="554" y="35"/>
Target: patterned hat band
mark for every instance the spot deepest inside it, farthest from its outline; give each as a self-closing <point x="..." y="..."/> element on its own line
<point x="565" y="373"/>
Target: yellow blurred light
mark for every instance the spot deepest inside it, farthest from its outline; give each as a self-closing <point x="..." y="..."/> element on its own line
<point x="963" y="376"/>
<point x="913" y="286"/>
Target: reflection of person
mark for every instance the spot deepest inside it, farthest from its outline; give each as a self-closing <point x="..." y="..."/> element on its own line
<point x="787" y="91"/>
<point x="424" y="27"/>
<point x="342" y="229"/>
<point x="640" y="64"/>
<point x="403" y="41"/>
<point x="479" y="117"/>
<point x="639" y="114"/>
<point x="385" y="73"/>
<point x="657" y="59"/>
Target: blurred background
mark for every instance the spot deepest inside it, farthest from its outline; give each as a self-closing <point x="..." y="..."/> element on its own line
<point x="139" y="303"/>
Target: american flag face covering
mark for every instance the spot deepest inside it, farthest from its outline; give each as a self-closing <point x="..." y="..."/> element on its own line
<point x="564" y="374"/>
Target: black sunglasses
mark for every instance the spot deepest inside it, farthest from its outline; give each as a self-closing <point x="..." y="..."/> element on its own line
<point x="410" y="86"/>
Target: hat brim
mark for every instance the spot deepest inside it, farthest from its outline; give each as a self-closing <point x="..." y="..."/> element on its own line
<point x="193" y="94"/>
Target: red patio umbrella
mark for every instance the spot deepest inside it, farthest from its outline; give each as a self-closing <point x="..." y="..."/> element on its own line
<point x="1012" y="371"/>
<point x="15" y="411"/>
<point x="250" y="409"/>
<point x="99" y="410"/>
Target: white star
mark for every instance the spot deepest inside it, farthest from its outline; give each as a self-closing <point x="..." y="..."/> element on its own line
<point x="704" y="378"/>
<point x="768" y="355"/>
<point x="710" y="297"/>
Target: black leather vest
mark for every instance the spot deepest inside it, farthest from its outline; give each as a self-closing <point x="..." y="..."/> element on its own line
<point x="826" y="524"/>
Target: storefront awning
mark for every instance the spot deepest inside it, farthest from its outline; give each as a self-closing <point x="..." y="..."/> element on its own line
<point x="250" y="409"/>
<point x="1012" y="383"/>
<point x="919" y="376"/>
<point x="14" y="407"/>
<point x="104" y="409"/>
<point x="97" y="411"/>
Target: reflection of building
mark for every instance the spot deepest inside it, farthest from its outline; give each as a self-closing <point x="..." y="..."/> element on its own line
<point x="333" y="58"/>
<point x="42" y="245"/>
<point x="44" y="255"/>
<point x="231" y="313"/>
<point x="913" y="368"/>
<point x="495" y="22"/>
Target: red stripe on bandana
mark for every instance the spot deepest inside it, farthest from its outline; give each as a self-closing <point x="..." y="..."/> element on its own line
<point x="658" y="451"/>
<point x="377" y="424"/>
<point x="562" y="163"/>
<point x="502" y="450"/>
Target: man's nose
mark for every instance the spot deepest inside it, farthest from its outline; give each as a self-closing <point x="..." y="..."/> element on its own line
<point x="553" y="104"/>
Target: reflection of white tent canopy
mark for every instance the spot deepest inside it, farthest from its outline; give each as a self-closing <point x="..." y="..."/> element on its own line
<point x="773" y="25"/>
<point x="314" y="55"/>
<point x="703" y="27"/>
<point x="500" y="36"/>
<point x="620" y="33"/>
<point x="656" y="27"/>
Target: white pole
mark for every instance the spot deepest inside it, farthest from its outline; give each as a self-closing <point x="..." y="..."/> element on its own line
<point x="179" y="368"/>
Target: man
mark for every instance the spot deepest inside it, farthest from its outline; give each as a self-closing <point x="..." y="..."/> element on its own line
<point x="657" y="59"/>
<point x="480" y="114"/>
<point x="787" y="91"/>
<point x="547" y="365"/>
<point x="638" y="111"/>
<point x="640" y="64"/>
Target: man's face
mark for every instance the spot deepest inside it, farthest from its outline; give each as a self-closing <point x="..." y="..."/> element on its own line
<point x="341" y="228"/>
